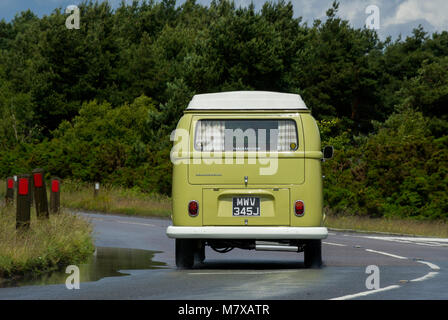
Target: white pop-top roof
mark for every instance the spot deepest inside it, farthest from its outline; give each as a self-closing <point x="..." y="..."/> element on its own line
<point x="247" y="100"/>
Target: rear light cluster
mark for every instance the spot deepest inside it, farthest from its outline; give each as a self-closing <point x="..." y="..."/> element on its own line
<point x="193" y="208"/>
<point x="299" y="208"/>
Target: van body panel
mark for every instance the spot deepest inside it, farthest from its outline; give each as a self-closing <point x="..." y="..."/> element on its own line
<point x="288" y="171"/>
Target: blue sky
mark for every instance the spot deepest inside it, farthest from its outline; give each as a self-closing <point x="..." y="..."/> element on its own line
<point x="396" y="16"/>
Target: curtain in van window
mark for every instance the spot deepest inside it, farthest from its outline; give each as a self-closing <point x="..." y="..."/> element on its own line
<point x="286" y="135"/>
<point x="210" y="135"/>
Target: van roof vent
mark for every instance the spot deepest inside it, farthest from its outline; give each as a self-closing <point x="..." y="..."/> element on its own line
<point x="247" y="100"/>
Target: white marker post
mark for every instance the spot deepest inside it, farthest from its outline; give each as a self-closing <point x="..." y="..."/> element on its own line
<point x="96" y="189"/>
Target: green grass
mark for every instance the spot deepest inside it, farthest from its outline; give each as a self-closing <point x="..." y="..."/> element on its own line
<point x="393" y="226"/>
<point x="48" y="245"/>
<point x="111" y="199"/>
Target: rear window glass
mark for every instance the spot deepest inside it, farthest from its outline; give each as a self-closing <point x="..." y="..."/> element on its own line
<point x="246" y="135"/>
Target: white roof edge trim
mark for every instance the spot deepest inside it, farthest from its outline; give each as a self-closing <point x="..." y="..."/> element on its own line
<point x="247" y="100"/>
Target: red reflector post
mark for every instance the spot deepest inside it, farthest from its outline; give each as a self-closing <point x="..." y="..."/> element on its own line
<point x="10" y="184"/>
<point x="38" y="180"/>
<point x="23" y="186"/>
<point x="193" y="208"/>
<point x="299" y="208"/>
<point x="55" y="186"/>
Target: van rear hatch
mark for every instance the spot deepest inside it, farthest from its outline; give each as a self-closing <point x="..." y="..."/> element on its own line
<point x="246" y="167"/>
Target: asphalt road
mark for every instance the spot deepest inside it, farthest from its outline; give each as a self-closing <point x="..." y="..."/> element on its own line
<point x="409" y="268"/>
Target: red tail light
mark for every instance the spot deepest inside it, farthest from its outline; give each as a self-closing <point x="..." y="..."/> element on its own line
<point x="299" y="208"/>
<point x="193" y="208"/>
<point x="10" y="184"/>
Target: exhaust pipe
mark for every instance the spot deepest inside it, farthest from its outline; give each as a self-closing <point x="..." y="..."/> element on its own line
<point x="266" y="247"/>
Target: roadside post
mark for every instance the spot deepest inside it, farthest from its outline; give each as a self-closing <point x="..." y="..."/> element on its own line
<point x="40" y="194"/>
<point x="23" y="202"/>
<point x="9" y="197"/>
<point x="55" y="195"/>
<point x="96" y="189"/>
<point x="31" y="193"/>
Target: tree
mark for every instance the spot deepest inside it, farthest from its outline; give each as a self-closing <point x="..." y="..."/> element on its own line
<point x="337" y="71"/>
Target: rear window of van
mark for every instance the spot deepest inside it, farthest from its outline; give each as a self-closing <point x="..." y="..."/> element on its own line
<point x="246" y="135"/>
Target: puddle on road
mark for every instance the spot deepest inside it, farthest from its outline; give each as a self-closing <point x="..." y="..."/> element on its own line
<point x="106" y="262"/>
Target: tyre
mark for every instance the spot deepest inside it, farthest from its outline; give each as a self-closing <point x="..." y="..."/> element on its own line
<point x="185" y="249"/>
<point x="313" y="254"/>
<point x="199" y="255"/>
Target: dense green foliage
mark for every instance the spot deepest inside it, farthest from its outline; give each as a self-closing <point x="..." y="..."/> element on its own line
<point x="99" y="103"/>
<point x="398" y="171"/>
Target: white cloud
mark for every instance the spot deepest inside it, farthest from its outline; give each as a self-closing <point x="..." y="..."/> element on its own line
<point x="353" y="9"/>
<point x="434" y="11"/>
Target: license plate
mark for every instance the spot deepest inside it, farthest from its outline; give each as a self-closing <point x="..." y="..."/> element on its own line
<point x="246" y="206"/>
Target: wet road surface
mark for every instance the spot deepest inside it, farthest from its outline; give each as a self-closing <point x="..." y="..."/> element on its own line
<point x="135" y="260"/>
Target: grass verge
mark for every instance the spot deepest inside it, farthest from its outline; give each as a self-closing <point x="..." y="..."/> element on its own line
<point x="393" y="226"/>
<point x="48" y="245"/>
<point x="111" y="199"/>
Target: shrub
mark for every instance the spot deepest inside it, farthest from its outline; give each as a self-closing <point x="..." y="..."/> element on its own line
<point x="399" y="171"/>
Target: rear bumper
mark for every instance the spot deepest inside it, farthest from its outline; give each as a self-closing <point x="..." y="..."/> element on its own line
<point x="240" y="232"/>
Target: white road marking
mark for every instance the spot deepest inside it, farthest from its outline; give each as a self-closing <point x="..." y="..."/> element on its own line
<point x="433" y="242"/>
<point x="430" y="275"/>
<point x="431" y="265"/>
<point x="138" y="223"/>
<point x="387" y="254"/>
<point x="125" y="222"/>
<point x="420" y="243"/>
<point x="365" y="293"/>
<point x="334" y="244"/>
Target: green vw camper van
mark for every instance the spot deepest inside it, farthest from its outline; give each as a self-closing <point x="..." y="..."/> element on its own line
<point x="247" y="174"/>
